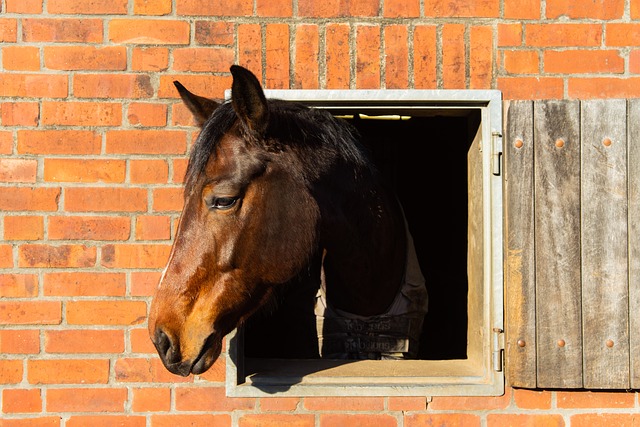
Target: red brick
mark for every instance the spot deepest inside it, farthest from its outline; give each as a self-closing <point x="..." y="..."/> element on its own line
<point x="84" y="170"/>
<point x="67" y="371"/>
<point x="634" y="61"/>
<point x="16" y="341"/>
<point x="111" y="312"/>
<point x="135" y="256"/>
<point x="107" y="420"/>
<point x="112" y="58"/>
<point x="521" y="61"/>
<point x="209" y="399"/>
<point x="30" y="312"/>
<point x="51" y="421"/>
<point x="522" y="9"/>
<point x="29" y="199"/>
<point x="337" y="8"/>
<point x="214" y="60"/>
<point x="18" y="285"/>
<point x="10" y="370"/>
<point x="146" y="371"/>
<point x="153" y="227"/>
<point x="6" y="256"/>
<point x="481" y="57"/>
<point x="588" y="399"/>
<point x="6" y="142"/>
<point x="344" y="403"/>
<point x="34" y="86"/>
<point x="20" y="113"/>
<point x="277" y="56"/>
<point x="407" y="403"/>
<point x="583" y="61"/>
<point x="152" y="7"/>
<point x="532" y="399"/>
<point x="216" y="373"/>
<point x="605" y="420"/>
<point x="425" y="57"/>
<point x="462" y="8"/>
<point x="278" y="420"/>
<point x="470" y="403"/>
<point x="59" y="142"/>
<point x="8" y="30"/>
<point x="274" y="8"/>
<point x="306" y="67"/>
<point x="604" y="87"/>
<point x="146" y="114"/>
<point x="21" y="58"/>
<point x="550" y="420"/>
<point x="448" y="420"/>
<point x="368" y="57"/>
<point x="112" y="86"/>
<point x="222" y="420"/>
<point x="66" y="30"/>
<point x="531" y="87"/>
<point x="81" y="113"/>
<point x="21" y="401"/>
<point x="144" y="284"/>
<point x="24" y="6"/>
<point x="86" y="400"/>
<point x="204" y="85"/>
<point x="214" y="7"/>
<point x="84" y="341"/>
<point x="215" y="33"/>
<point x="84" y="284"/>
<point x="168" y="200"/>
<point x="396" y="56"/>
<point x="603" y="9"/>
<point x="179" y="170"/>
<point x="18" y="170"/>
<point x="453" y="56"/>
<point x="89" y="228"/>
<point x="337" y="56"/>
<point x="147" y="399"/>
<point x="148" y="171"/>
<point x="63" y="256"/>
<point x="279" y="404"/>
<point x="361" y="420"/>
<point x="87" y="7"/>
<point x="401" y="9"/>
<point x="510" y="35"/>
<point x="104" y="199"/>
<point x="150" y="59"/>
<point x="24" y="227"/>
<point x="146" y="142"/>
<point x="250" y="48"/>
<point x="563" y="35"/>
<point x="149" y="31"/>
<point x="623" y="34"/>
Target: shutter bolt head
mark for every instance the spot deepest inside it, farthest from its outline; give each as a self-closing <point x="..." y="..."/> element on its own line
<point x="609" y="343"/>
<point x="521" y="343"/>
<point x="559" y="142"/>
<point x="561" y="343"/>
<point x="606" y="142"/>
<point x="518" y="143"/>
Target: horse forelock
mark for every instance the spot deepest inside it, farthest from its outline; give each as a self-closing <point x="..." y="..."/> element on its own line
<point x="319" y="139"/>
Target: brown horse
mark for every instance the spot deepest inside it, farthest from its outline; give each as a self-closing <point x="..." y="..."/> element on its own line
<point x="277" y="193"/>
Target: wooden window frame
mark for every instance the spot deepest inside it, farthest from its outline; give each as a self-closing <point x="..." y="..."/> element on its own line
<point x="481" y="373"/>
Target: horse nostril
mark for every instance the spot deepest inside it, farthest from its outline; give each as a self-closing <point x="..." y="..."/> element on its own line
<point x="167" y="350"/>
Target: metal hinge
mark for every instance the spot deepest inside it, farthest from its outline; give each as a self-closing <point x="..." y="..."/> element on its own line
<point x="497" y="349"/>
<point x="496" y="152"/>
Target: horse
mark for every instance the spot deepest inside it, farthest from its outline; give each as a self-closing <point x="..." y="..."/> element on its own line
<point x="279" y="197"/>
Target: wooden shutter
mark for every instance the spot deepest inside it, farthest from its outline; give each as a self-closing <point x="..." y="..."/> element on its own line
<point x="572" y="238"/>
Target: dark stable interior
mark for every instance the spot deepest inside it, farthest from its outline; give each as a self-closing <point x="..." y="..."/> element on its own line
<point x="426" y="160"/>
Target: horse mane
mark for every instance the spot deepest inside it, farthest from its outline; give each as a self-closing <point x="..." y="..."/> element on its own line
<point x="314" y="133"/>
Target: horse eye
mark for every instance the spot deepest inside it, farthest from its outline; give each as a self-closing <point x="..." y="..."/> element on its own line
<point x="223" y="203"/>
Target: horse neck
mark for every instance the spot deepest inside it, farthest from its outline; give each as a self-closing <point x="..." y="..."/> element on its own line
<point x="365" y="258"/>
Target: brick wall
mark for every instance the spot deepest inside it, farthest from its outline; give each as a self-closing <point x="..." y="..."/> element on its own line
<point x="93" y="145"/>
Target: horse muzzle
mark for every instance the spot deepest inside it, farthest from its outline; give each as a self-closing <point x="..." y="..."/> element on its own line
<point x="172" y="358"/>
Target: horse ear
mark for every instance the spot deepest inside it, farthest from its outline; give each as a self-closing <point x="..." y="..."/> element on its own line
<point x="200" y="107"/>
<point x="248" y="100"/>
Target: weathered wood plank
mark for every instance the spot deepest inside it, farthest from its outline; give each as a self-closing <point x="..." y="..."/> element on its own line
<point x="557" y="236"/>
<point x="605" y="303"/>
<point x="633" y="150"/>
<point x="520" y="332"/>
